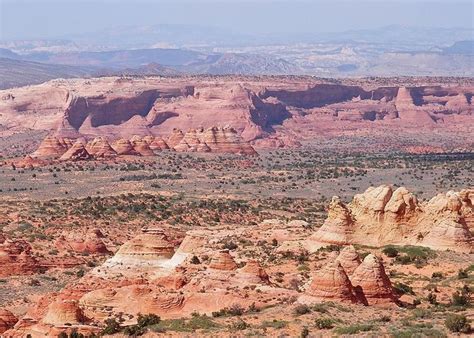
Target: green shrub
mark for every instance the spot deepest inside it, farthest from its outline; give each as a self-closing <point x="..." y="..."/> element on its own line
<point x="147" y="320"/>
<point x="324" y="323"/>
<point x="390" y="251"/>
<point x="457" y="323"/>
<point x="403" y="289"/>
<point x="301" y="309"/>
<point x="239" y="325"/>
<point x="354" y="329"/>
<point x="111" y="326"/>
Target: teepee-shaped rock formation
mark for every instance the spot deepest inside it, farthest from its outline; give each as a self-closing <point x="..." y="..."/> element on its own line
<point x="371" y="281"/>
<point x="349" y="259"/>
<point x="50" y="147"/>
<point x="450" y="233"/>
<point x="253" y="273"/>
<point x="151" y="249"/>
<point x="222" y="260"/>
<point x="124" y="147"/>
<point x="91" y="243"/>
<point x="175" y="138"/>
<point x="226" y="140"/>
<point x="142" y="147"/>
<point x="30" y="162"/>
<point x="100" y="148"/>
<point x="158" y="144"/>
<point x="77" y="152"/>
<point x="337" y="228"/>
<point x="332" y="282"/>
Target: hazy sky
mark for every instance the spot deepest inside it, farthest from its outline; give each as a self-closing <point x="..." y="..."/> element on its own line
<point x="53" y="18"/>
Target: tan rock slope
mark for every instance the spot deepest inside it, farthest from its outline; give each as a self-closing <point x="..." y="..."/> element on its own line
<point x="382" y="216"/>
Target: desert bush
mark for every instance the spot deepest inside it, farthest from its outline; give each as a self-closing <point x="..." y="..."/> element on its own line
<point x="457" y="323"/>
<point x="111" y="326"/>
<point x="390" y="252"/>
<point x="462" y="274"/>
<point x="354" y="329"/>
<point x="324" y="323"/>
<point x="301" y="309"/>
<point x="403" y="289"/>
<point x="460" y="298"/>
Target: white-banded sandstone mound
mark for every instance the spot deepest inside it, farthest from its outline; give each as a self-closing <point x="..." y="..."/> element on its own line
<point x="382" y="216"/>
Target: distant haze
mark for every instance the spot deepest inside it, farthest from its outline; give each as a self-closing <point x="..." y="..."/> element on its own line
<point x="41" y="19"/>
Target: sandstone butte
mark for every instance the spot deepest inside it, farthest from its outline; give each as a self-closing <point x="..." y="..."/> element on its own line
<point x="382" y="216"/>
<point x="265" y="111"/>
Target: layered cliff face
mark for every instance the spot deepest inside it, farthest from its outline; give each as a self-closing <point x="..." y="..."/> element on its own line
<point x="382" y="216"/>
<point x="279" y="109"/>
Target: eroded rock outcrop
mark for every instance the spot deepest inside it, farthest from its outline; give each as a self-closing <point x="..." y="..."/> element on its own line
<point x="16" y="258"/>
<point x="253" y="273"/>
<point x="332" y="283"/>
<point x="371" y="282"/>
<point x="337" y="228"/>
<point x="124" y="147"/>
<point x="349" y="259"/>
<point x="222" y="260"/>
<point x="7" y="320"/>
<point x="63" y="312"/>
<point x="51" y="147"/>
<point x="77" y="152"/>
<point x="382" y="216"/>
<point x="90" y="243"/>
<point x="100" y="148"/>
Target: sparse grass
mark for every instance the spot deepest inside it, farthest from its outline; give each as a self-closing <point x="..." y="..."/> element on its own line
<point x="199" y="322"/>
<point x="354" y="328"/>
